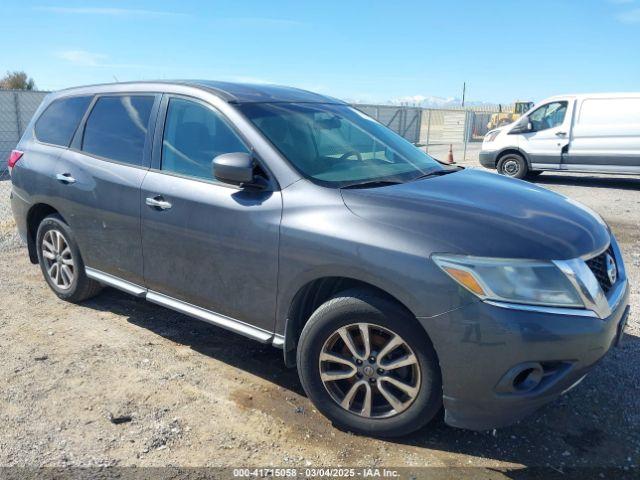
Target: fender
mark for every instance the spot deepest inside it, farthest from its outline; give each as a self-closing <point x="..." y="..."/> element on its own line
<point x="287" y="296"/>
<point x="518" y="150"/>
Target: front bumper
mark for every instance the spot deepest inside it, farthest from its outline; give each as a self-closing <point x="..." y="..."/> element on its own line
<point x="488" y="158"/>
<point x="483" y="347"/>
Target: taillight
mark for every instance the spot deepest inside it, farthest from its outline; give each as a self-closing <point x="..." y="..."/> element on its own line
<point x="14" y="156"/>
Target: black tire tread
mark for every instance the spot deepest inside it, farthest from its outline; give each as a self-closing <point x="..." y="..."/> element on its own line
<point x="85" y="287"/>
<point x="524" y="170"/>
<point x="361" y="301"/>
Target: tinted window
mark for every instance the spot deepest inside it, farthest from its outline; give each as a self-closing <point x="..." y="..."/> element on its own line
<point x="337" y="144"/>
<point x="193" y="136"/>
<point x="548" y="116"/>
<point x="60" y="119"/>
<point x="117" y="128"/>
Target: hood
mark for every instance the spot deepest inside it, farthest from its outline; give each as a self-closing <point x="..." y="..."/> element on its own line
<point x="479" y="213"/>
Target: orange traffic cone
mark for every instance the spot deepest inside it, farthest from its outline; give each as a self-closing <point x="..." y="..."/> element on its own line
<point x="450" y="156"/>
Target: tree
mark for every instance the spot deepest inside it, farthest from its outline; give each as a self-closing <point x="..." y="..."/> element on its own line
<point x="17" y="81"/>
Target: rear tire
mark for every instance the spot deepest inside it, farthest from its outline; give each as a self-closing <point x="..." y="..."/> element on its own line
<point x="513" y="165"/>
<point x="373" y="375"/>
<point x="61" y="262"/>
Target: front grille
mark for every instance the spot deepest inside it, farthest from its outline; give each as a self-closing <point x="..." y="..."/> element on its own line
<point x="598" y="266"/>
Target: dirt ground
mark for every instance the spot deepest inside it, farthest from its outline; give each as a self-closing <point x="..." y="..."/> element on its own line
<point x="117" y="381"/>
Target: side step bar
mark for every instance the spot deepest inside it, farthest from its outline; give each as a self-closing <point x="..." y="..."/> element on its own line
<point x="116" y="282"/>
<point x="208" y="316"/>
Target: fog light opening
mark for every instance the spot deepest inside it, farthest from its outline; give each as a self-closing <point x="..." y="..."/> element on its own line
<point x="527" y="379"/>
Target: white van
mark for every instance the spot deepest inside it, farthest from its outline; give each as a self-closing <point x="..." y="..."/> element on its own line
<point x="594" y="133"/>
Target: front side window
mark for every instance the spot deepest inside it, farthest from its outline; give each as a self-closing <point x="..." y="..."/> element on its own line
<point x="548" y="116"/>
<point x="59" y="121"/>
<point x="117" y="128"/>
<point x="338" y="145"/>
<point x="194" y="135"/>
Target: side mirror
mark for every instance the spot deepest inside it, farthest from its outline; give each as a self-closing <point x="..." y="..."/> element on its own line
<point x="235" y="168"/>
<point x="523" y="126"/>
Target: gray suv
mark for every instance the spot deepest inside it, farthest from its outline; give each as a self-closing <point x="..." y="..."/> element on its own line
<point x="397" y="285"/>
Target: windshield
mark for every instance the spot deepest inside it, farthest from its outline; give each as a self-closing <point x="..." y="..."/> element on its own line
<point x="338" y="145"/>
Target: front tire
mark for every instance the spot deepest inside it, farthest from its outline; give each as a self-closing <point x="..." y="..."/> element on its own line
<point x="61" y="263"/>
<point x="513" y="165"/>
<point x="368" y="366"/>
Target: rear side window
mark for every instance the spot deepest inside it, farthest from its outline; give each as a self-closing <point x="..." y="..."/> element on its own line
<point x="193" y="136"/>
<point x="117" y="128"/>
<point x="59" y="121"/>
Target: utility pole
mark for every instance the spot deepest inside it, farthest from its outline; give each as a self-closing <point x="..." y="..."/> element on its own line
<point x="464" y="91"/>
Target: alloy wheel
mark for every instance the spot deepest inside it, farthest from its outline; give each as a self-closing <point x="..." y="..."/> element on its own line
<point x="58" y="259"/>
<point x="369" y="370"/>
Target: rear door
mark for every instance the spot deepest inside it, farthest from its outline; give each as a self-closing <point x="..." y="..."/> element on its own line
<point x="606" y="136"/>
<point x="207" y="243"/>
<point x="99" y="179"/>
<point x="549" y="138"/>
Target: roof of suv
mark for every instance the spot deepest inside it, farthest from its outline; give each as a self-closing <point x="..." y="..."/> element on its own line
<point x="243" y="92"/>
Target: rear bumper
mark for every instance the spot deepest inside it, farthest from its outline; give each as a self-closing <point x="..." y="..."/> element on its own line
<point x="482" y="348"/>
<point x="488" y="158"/>
<point x="20" y="208"/>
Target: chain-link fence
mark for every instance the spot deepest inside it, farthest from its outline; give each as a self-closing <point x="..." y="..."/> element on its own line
<point x="441" y="126"/>
<point x="403" y="120"/>
<point x="16" y="109"/>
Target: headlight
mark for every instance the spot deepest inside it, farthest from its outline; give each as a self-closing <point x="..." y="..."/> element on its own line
<point x="511" y="280"/>
<point x="490" y="137"/>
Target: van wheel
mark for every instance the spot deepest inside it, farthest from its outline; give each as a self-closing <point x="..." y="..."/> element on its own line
<point x="368" y="366"/>
<point x="513" y="165"/>
<point x="61" y="263"/>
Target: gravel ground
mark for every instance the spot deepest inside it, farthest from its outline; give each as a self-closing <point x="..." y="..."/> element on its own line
<point x="118" y="381"/>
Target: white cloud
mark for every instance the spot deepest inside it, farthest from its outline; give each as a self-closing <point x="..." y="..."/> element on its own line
<point x="108" y="11"/>
<point x="631" y="16"/>
<point x="426" y="101"/>
<point x="82" y="58"/>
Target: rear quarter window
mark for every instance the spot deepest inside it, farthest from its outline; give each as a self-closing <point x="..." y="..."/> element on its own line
<point x="60" y="119"/>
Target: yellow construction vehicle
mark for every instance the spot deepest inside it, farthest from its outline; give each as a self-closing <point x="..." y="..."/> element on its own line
<point x="504" y="118"/>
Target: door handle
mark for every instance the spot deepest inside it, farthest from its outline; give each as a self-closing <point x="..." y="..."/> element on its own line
<point x="65" y="178"/>
<point x="158" y="202"/>
<point x="561" y="134"/>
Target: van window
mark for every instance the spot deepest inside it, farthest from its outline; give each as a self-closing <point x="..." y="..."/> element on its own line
<point x="117" y="128"/>
<point x="59" y="121"/>
<point x="193" y="136"/>
<point x="610" y="111"/>
<point x="548" y="116"/>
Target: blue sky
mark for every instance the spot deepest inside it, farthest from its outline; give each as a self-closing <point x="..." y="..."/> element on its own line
<point x="354" y="49"/>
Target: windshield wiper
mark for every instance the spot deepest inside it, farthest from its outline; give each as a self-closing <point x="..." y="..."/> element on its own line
<point x="435" y="173"/>
<point x="372" y="184"/>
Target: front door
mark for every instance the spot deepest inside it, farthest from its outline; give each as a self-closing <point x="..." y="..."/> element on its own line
<point x="549" y="137"/>
<point x="206" y="243"/>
